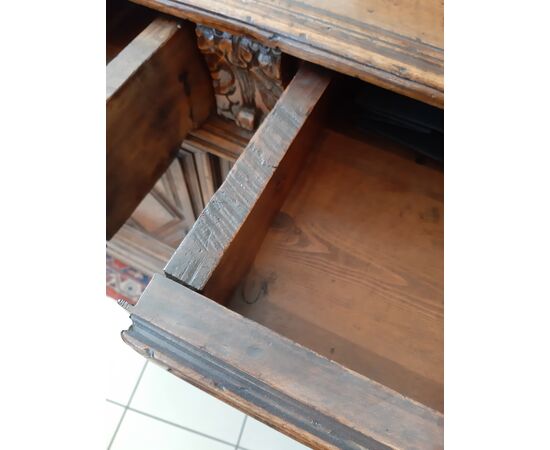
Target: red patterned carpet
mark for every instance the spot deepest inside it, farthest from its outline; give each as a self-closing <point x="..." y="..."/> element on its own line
<point x="123" y="281"/>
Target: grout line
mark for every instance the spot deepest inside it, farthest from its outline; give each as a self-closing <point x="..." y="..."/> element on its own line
<point x="241" y="432"/>
<point x="177" y="425"/>
<point x="126" y="407"/>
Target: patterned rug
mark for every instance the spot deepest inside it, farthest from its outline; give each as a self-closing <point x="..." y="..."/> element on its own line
<point x="123" y="281"/>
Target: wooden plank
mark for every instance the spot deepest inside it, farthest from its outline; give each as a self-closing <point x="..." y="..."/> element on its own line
<point x="207" y="175"/>
<point x="395" y="45"/>
<point x="190" y="173"/>
<point x="225" y="167"/>
<point x="221" y="245"/>
<point x="304" y="395"/>
<point x="125" y="21"/>
<point x="139" y="249"/>
<point x="166" y="212"/>
<point x="352" y="265"/>
<point x="175" y="188"/>
<point x="157" y="226"/>
<point x="158" y="89"/>
<point x="220" y="137"/>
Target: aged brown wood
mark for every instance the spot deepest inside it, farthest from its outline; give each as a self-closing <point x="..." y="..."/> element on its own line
<point x="246" y="75"/>
<point x="218" y="136"/>
<point x="157" y="226"/>
<point x="225" y="167"/>
<point x="302" y="394"/>
<point x="352" y="265"/>
<point x="162" y="219"/>
<point x="330" y="246"/>
<point x="189" y="167"/>
<point x="396" y="45"/>
<point x="139" y="249"/>
<point x="158" y="89"/>
<point x="207" y="174"/>
<point x="223" y="241"/>
<point x="125" y="21"/>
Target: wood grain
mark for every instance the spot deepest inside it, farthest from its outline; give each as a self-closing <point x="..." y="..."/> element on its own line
<point x="304" y="395"/>
<point x="157" y="226"/>
<point x="157" y="91"/>
<point x="191" y="175"/>
<point x="125" y="21"/>
<point x="225" y="237"/>
<point x="207" y="173"/>
<point x="166" y="213"/>
<point x="396" y="45"/>
<point x="139" y="249"/>
<point x="352" y="266"/>
<point x="218" y="136"/>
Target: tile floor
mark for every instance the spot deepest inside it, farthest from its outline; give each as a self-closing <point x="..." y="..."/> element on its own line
<point x="147" y="408"/>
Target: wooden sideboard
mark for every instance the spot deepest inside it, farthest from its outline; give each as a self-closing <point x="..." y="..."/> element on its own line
<point x="296" y="151"/>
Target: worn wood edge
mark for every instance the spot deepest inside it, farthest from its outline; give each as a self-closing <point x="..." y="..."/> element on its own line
<point x="220" y="137"/>
<point x="240" y="254"/>
<point x="235" y="387"/>
<point x="199" y="145"/>
<point x="261" y="398"/>
<point x="212" y="138"/>
<point x="431" y="94"/>
<point x="165" y="118"/>
<point x="199" y="255"/>
<point x="127" y="63"/>
<point x="139" y="250"/>
<point x="386" y="48"/>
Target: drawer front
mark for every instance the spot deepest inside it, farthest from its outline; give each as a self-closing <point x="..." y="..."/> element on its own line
<point x="300" y="393"/>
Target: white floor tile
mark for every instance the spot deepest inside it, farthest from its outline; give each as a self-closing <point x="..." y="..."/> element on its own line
<point x="139" y="432"/>
<point x="111" y="416"/>
<point x="122" y="364"/>
<point x="257" y="436"/>
<point x="164" y="395"/>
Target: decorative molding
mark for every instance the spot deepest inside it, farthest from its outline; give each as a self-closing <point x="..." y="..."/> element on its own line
<point x="246" y="75"/>
<point x="267" y="376"/>
<point x="198" y="367"/>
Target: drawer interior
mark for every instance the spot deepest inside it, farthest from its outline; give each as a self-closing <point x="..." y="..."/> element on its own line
<point x="352" y="264"/>
<point x="326" y="235"/>
<point x="333" y="239"/>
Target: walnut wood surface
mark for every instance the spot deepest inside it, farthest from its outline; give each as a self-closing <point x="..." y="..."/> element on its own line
<point x="125" y="21"/>
<point x="139" y="249"/>
<point x="220" y="137"/>
<point x="352" y="266"/>
<point x="162" y="219"/>
<point x="397" y="45"/>
<point x="225" y="237"/>
<point x="293" y="389"/>
<point x="158" y="89"/>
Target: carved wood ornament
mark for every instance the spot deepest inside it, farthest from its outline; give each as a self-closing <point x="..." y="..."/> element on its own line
<point x="246" y="75"/>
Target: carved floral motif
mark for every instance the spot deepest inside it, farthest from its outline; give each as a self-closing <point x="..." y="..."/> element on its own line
<point x="246" y="75"/>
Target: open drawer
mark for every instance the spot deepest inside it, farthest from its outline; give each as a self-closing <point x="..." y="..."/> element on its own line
<point x="309" y="292"/>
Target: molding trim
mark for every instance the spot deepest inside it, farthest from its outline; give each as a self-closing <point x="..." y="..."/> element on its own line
<point x="236" y="387"/>
<point x="275" y="380"/>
